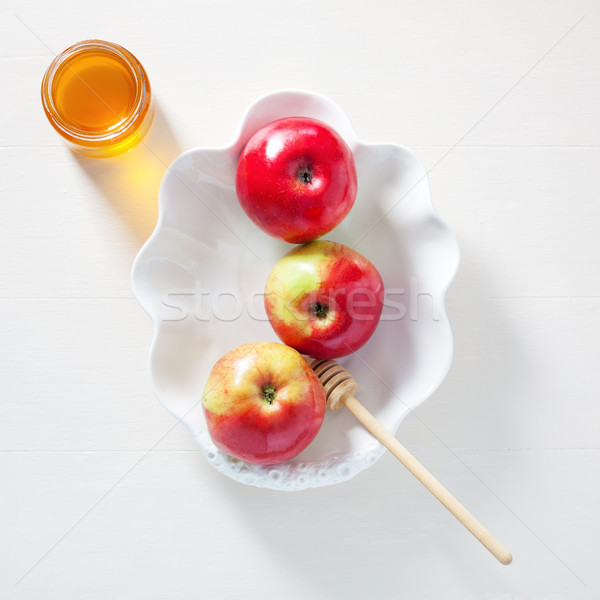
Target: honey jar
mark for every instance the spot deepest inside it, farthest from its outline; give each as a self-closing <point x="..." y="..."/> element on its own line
<point x="97" y="96"/>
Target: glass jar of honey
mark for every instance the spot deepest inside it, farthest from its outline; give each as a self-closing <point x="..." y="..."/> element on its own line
<point x="97" y="96"/>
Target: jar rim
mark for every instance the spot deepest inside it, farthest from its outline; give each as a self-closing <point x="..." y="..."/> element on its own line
<point x="122" y="129"/>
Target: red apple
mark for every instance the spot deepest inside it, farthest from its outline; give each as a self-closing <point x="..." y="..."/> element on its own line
<point x="263" y="403"/>
<point x="324" y="299"/>
<point x="296" y="179"/>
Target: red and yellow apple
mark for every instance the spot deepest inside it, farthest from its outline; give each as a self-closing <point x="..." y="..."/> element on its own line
<point x="263" y="403"/>
<point x="296" y="179"/>
<point x="324" y="299"/>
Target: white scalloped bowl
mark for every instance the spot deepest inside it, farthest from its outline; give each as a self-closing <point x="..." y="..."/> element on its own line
<point x="201" y="274"/>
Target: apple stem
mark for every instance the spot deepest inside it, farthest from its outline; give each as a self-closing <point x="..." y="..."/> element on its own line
<point x="319" y="310"/>
<point x="268" y="393"/>
<point x="304" y="175"/>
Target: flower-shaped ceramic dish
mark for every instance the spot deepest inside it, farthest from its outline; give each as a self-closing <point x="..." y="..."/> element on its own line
<point x="201" y="276"/>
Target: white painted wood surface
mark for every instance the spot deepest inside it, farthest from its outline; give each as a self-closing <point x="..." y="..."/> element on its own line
<point x="103" y="495"/>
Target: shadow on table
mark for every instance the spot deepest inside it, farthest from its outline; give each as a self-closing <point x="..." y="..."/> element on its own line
<point x="130" y="182"/>
<point x="490" y="382"/>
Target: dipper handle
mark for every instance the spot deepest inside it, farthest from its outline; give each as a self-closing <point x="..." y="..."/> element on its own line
<point x="340" y="388"/>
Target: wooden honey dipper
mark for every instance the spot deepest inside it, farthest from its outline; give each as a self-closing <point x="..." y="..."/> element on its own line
<point x="340" y="388"/>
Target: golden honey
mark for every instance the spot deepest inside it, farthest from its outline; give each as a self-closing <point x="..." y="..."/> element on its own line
<point x="97" y="96"/>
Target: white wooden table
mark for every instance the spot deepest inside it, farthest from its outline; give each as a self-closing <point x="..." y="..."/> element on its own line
<point x="103" y="495"/>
